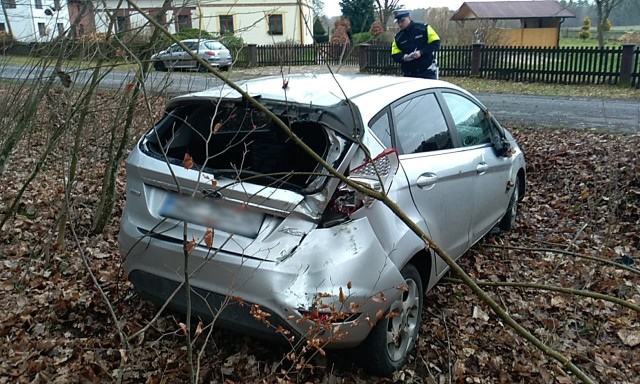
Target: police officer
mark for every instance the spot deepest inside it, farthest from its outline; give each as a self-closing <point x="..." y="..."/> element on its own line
<point x="414" y="46"/>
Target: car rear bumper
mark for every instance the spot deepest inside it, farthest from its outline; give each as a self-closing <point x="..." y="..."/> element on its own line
<point x="326" y="262"/>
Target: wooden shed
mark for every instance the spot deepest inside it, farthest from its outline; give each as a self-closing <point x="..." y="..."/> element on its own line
<point x="539" y="20"/>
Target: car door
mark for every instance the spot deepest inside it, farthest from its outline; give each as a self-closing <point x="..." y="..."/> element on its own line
<point x="186" y="60"/>
<point x="476" y="130"/>
<point x="439" y="175"/>
<point x="173" y="56"/>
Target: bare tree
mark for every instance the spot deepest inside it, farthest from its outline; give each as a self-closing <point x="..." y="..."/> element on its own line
<point x="604" y="8"/>
<point x="384" y="9"/>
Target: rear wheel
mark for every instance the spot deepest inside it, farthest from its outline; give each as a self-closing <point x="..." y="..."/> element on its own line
<point x="509" y="219"/>
<point x="202" y="68"/>
<point x="159" y="66"/>
<point x="225" y="68"/>
<point x="393" y="338"/>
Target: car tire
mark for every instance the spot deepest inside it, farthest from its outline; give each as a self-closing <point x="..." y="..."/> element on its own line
<point x="225" y="68"/>
<point x="202" y="68"/>
<point x="159" y="66"/>
<point x="392" y="339"/>
<point x="509" y="219"/>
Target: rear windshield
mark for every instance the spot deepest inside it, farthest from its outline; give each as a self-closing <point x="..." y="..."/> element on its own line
<point x="236" y="141"/>
<point x="214" y="45"/>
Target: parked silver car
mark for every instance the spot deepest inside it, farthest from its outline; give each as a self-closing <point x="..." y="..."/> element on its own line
<point x="174" y="57"/>
<point x="294" y="252"/>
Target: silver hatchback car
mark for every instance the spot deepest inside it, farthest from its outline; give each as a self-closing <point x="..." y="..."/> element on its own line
<point x="276" y="246"/>
<point x="174" y="57"/>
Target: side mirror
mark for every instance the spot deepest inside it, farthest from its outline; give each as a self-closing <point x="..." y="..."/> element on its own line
<point x="501" y="145"/>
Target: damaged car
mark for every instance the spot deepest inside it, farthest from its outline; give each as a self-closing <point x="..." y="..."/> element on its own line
<point x="275" y="245"/>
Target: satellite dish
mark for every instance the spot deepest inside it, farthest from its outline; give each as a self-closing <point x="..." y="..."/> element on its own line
<point x="48" y="12"/>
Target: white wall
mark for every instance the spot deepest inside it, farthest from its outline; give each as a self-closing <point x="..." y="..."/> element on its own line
<point x="25" y="17"/>
<point x="250" y="19"/>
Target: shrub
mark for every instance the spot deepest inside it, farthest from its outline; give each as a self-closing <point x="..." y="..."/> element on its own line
<point x="376" y="29"/>
<point x="318" y="28"/>
<point x="321" y="38"/>
<point x="6" y="40"/>
<point x="193" y="33"/>
<point x="363" y="37"/>
<point x="585" y="32"/>
<point x="233" y="43"/>
<point x="607" y="25"/>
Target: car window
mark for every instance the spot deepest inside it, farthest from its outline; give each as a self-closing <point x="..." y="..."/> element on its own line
<point x="382" y="129"/>
<point x="420" y="125"/>
<point x="175" y="48"/>
<point x="472" y="125"/>
<point x="214" y="45"/>
<point x="192" y="45"/>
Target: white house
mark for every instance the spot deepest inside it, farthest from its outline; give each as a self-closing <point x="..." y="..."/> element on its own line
<point x="35" y="20"/>
<point x="260" y="21"/>
<point x="255" y="21"/>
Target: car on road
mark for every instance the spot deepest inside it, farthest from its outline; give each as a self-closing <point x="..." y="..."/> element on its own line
<point x="174" y="57"/>
<point x="278" y="246"/>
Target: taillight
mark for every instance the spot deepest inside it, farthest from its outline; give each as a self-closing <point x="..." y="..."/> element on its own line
<point x="209" y="53"/>
<point x="376" y="174"/>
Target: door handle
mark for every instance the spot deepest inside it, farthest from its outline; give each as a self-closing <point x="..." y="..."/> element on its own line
<point x="427" y="180"/>
<point x="482" y="168"/>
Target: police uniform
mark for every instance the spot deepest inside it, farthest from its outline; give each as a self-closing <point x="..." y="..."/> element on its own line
<point x="420" y="37"/>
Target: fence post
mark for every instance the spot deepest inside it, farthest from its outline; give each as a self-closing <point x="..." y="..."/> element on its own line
<point x="626" y="63"/>
<point x="476" y="59"/>
<point x="362" y="56"/>
<point x="253" y="55"/>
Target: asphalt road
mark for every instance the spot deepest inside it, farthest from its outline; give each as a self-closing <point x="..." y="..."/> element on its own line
<point x="509" y="109"/>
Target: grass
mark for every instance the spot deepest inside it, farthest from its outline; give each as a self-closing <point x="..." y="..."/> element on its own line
<point x="591" y="42"/>
<point x="502" y="86"/>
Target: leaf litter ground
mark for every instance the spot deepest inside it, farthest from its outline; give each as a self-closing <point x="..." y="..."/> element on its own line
<point x="583" y="197"/>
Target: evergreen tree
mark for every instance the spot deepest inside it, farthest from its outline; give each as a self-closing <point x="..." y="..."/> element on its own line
<point x="585" y="32"/>
<point x="318" y="28"/>
<point x="360" y="13"/>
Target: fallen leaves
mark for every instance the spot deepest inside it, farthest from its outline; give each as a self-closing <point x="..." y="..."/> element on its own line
<point x="583" y="190"/>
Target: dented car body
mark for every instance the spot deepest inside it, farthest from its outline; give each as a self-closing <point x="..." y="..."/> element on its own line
<point x="297" y="253"/>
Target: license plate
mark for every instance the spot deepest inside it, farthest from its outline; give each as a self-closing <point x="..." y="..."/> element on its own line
<point x="230" y="218"/>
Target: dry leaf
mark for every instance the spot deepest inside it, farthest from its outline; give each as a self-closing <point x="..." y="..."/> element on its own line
<point x="208" y="238"/>
<point x="341" y="296"/>
<point x="187" y="162"/>
<point x="478" y="313"/>
<point x="629" y="337"/>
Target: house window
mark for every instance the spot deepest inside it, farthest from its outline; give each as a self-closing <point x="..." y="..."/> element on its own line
<point x="38" y="4"/>
<point x="275" y="25"/>
<point x="56" y="5"/>
<point x="9" y="3"/>
<point x="42" y="29"/>
<point x="60" y="29"/>
<point x="121" y="24"/>
<point x="183" y="22"/>
<point x="2" y="27"/>
<point x="226" y="25"/>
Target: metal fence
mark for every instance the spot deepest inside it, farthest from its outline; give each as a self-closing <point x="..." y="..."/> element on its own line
<point x="296" y="54"/>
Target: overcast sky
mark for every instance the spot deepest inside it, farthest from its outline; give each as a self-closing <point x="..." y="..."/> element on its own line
<point x="332" y="7"/>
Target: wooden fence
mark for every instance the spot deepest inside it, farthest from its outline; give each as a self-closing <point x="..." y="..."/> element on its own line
<point x="566" y="65"/>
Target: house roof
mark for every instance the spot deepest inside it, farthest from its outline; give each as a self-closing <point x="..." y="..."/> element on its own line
<point x="510" y="10"/>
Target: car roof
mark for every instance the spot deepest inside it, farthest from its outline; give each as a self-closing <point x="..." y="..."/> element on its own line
<point x="323" y="89"/>
<point x="369" y="92"/>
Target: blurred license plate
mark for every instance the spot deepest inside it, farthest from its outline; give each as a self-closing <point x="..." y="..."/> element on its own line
<point x="229" y="218"/>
